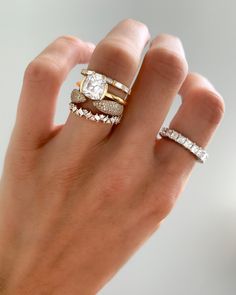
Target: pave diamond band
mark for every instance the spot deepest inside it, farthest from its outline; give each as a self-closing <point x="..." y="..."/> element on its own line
<point x="196" y="150"/>
<point x="110" y="81"/>
<point x="82" y="112"/>
<point x="109" y="107"/>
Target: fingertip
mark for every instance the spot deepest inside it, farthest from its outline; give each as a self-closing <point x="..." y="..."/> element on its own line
<point x="196" y="80"/>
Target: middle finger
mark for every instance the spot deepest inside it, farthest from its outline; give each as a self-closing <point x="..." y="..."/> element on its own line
<point x="163" y="71"/>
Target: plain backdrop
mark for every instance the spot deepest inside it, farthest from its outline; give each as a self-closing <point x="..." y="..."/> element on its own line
<point x="194" y="252"/>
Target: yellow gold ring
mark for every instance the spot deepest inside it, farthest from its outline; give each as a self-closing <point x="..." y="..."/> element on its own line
<point x="95" y="87"/>
<point x="109" y="80"/>
<point x="116" y="98"/>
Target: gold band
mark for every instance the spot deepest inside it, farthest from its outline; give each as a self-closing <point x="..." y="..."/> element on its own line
<point x="116" y="98"/>
<point x="110" y="95"/>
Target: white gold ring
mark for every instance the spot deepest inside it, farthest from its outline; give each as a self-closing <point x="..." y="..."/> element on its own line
<point x="196" y="150"/>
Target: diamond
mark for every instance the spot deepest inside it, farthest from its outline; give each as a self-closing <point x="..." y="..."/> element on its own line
<point x="163" y="131"/>
<point x="181" y="139"/>
<point x="174" y="135"/>
<point x="169" y="132"/>
<point x="202" y="154"/>
<point x="109" y="80"/>
<point x="105" y="119"/>
<point x="194" y="148"/>
<point x="81" y="113"/>
<point x="94" y="86"/>
<point x="188" y="143"/>
<point x="118" y="85"/>
<point x="74" y="108"/>
<point x="113" y="120"/>
<point x="97" y="117"/>
<point x="88" y="115"/>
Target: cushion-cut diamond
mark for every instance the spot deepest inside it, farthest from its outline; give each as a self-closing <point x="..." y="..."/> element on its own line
<point x="94" y="86"/>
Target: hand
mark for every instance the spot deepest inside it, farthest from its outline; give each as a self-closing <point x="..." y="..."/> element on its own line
<point x="77" y="200"/>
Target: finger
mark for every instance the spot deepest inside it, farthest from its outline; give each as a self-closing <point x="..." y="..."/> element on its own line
<point x="197" y="118"/>
<point x="42" y="81"/>
<point x="162" y="73"/>
<point x="117" y="56"/>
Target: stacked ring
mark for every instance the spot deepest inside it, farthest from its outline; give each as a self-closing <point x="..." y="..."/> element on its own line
<point x="94" y="86"/>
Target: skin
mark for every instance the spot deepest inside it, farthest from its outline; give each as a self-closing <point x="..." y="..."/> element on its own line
<point x="77" y="200"/>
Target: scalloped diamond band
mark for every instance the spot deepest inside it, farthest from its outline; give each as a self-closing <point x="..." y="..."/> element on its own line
<point x="196" y="150"/>
<point x="82" y="112"/>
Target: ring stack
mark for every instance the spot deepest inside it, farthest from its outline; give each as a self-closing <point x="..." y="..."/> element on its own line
<point x="196" y="150"/>
<point x="94" y="86"/>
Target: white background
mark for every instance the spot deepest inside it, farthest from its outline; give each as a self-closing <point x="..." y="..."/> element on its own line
<point x="194" y="252"/>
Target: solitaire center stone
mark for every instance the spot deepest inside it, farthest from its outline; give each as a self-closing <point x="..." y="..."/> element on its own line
<point x="94" y="86"/>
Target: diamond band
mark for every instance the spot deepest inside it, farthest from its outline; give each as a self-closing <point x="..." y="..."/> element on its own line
<point x="109" y="107"/>
<point x="81" y="112"/>
<point x="196" y="150"/>
<point x="110" y="81"/>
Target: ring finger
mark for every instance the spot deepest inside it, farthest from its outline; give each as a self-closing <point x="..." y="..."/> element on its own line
<point x="197" y="118"/>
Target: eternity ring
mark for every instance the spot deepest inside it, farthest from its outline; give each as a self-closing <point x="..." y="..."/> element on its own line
<point x="196" y="150"/>
<point x="110" y="81"/>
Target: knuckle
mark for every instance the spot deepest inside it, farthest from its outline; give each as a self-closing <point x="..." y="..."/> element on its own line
<point x="159" y="210"/>
<point x="69" y="40"/>
<point x="158" y="205"/>
<point x="167" y="64"/>
<point x="118" y="55"/>
<point x="43" y="70"/>
<point x="115" y="183"/>
<point x="115" y="186"/>
<point x="211" y="104"/>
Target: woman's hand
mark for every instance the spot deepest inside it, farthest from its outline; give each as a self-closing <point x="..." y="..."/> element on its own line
<point x="76" y="201"/>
